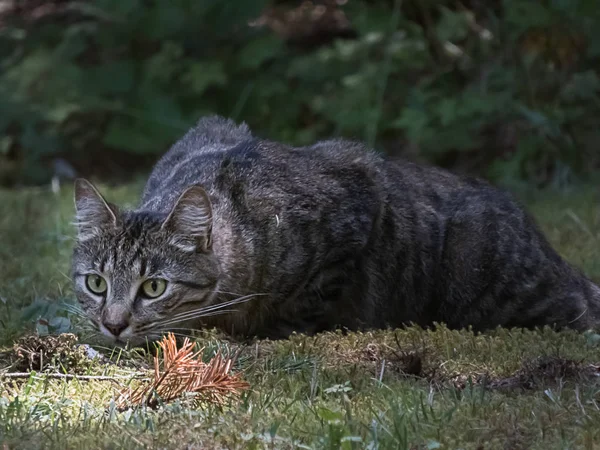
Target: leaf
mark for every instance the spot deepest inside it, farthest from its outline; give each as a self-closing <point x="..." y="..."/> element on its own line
<point x="452" y="25"/>
<point x="164" y="67"/>
<point x="524" y="14"/>
<point x="448" y="109"/>
<point x="115" y="77"/>
<point x="137" y="138"/>
<point x="201" y="75"/>
<point x="148" y="126"/>
<point x="35" y="310"/>
<point x="414" y="122"/>
<point x="258" y="51"/>
<point x="582" y="86"/>
<point x="536" y="118"/>
<point x="373" y="18"/>
<point x="456" y="137"/>
<point x="336" y="388"/>
<point x="72" y="45"/>
<point x="6" y="142"/>
<point x="329" y="416"/>
<point x="118" y="7"/>
<point x="61" y="112"/>
<point x="162" y="21"/>
<point x="41" y="329"/>
<point x="540" y="120"/>
<point x="592" y="339"/>
<point x="59" y="324"/>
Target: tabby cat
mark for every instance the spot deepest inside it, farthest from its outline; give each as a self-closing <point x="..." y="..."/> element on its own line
<point x="258" y="238"/>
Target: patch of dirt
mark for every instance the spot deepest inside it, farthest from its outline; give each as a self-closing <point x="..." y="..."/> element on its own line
<point x="381" y="358"/>
<point x="416" y="361"/>
<point x="534" y="374"/>
<point x="546" y="370"/>
<point x="402" y="362"/>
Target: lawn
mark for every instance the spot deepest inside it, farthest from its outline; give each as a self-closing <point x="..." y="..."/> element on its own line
<point x="403" y="389"/>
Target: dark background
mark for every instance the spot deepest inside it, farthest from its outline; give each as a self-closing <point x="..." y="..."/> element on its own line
<point x="506" y="89"/>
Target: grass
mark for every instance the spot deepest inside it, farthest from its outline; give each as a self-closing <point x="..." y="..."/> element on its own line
<point x="404" y="389"/>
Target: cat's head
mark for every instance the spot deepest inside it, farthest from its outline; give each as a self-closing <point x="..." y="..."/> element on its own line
<point x="138" y="274"/>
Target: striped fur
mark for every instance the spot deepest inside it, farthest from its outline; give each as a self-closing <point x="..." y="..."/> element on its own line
<point x="319" y="237"/>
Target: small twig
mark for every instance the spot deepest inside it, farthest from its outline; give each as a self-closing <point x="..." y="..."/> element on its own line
<point x="69" y="376"/>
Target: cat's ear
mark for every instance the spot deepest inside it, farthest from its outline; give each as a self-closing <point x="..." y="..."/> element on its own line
<point x="93" y="213"/>
<point x="190" y="221"/>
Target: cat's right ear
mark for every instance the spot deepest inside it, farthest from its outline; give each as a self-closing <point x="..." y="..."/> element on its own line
<point x="93" y="213"/>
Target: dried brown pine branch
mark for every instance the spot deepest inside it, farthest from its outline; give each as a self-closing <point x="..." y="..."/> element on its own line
<point x="183" y="372"/>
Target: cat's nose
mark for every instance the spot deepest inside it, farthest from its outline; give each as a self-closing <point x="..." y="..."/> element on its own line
<point x="116" y="328"/>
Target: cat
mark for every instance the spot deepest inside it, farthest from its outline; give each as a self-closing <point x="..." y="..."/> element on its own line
<point x="257" y="238"/>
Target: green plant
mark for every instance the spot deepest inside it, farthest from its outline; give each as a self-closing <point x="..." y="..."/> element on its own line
<point x="510" y="88"/>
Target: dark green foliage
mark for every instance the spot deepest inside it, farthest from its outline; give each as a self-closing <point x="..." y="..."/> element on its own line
<point x="510" y="87"/>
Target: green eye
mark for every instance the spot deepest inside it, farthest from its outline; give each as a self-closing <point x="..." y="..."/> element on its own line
<point x="96" y="284"/>
<point x="154" y="287"/>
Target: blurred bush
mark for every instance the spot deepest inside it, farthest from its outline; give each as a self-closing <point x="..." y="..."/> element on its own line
<point x="508" y="88"/>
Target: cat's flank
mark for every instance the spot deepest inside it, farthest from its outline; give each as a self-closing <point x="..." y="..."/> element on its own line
<point x="258" y="238"/>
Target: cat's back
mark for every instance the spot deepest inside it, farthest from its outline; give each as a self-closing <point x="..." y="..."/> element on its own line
<point x="221" y="155"/>
<point x="179" y="166"/>
<point x="225" y="157"/>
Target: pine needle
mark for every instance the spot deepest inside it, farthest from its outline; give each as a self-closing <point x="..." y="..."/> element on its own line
<point x="183" y="372"/>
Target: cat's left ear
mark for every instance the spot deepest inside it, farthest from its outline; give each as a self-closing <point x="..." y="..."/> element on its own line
<point x="190" y="221"/>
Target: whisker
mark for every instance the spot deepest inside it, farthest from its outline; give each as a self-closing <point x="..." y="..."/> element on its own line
<point x="184" y="329"/>
<point x="184" y="335"/>
<point x="85" y="322"/>
<point x="146" y="327"/>
<point x="196" y="314"/>
<point x="71" y="306"/>
<point x="206" y="311"/>
<point x="174" y="321"/>
<point x="74" y="311"/>
<point x="192" y="315"/>
<point x="232" y="293"/>
<point x="220" y="305"/>
<point x="96" y="340"/>
<point x="87" y="329"/>
<point x="154" y="336"/>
